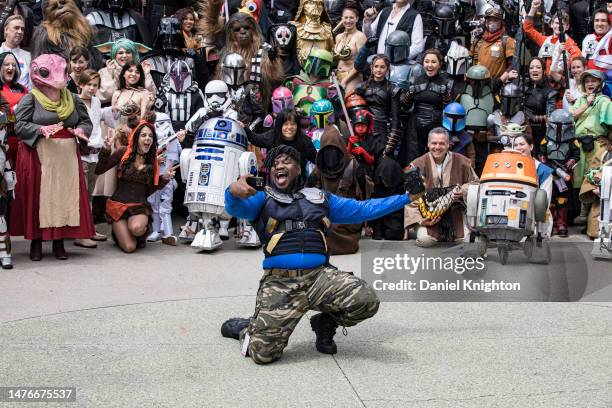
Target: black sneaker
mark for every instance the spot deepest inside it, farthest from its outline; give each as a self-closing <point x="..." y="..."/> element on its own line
<point x="231" y="328"/>
<point x="324" y="327"/>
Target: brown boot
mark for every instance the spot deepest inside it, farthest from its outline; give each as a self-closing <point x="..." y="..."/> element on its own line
<point x="58" y="250"/>
<point x="36" y="249"/>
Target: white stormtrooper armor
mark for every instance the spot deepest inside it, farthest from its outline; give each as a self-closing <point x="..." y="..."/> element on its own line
<point x="161" y="200"/>
<point x="217" y="158"/>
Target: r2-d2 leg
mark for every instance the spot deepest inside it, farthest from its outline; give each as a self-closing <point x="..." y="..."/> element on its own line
<point x="602" y="246"/>
<point x="191" y="228"/>
<point x="208" y="238"/>
<point x="248" y="237"/>
<point x="5" y="245"/>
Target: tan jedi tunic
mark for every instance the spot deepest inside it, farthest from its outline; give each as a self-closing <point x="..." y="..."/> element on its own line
<point x="457" y="170"/>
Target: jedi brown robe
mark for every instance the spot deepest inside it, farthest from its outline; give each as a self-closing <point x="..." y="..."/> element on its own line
<point x="343" y="182"/>
<point x="457" y="171"/>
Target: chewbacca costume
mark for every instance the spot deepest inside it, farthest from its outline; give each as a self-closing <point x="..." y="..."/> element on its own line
<point x="60" y="35"/>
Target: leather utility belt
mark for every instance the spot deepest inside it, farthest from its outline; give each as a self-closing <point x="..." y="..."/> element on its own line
<point x="292" y="225"/>
<point x="289" y="273"/>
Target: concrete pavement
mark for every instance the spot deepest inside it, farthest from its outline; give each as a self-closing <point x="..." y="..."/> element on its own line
<point x="142" y="330"/>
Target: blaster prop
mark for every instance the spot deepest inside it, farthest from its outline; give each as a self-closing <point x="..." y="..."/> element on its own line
<point x="164" y="146"/>
<point x="562" y="41"/>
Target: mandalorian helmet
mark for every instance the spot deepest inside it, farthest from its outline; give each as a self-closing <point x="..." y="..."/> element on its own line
<point x="444" y="16"/>
<point x="511" y="99"/>
<point x="281" y="99"/>
<point x="322" y="113"/>
<point x="180" y="76"/>
<point x="233" y="70"/>
<point x="478" y="77"/>
<point x="457" y="60"/>
<point x="397" y="47"/>
<point x="453" y="117"/>
<point x="216" y="95"/>
<point x="319" y="63"/>
<point x="169" y="35"/>
<point x="560" y="127"/>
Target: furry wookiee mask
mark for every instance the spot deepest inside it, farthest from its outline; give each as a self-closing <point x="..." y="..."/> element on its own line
<point x="65" y="17"/>
<point x="49" y="70"/>
<point x="243" y="32"/>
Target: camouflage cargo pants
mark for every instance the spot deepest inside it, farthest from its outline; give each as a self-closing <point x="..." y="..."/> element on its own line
<point x="282" y="301"/>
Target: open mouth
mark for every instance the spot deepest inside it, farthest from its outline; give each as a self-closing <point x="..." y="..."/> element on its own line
<point x="282" y="177"/>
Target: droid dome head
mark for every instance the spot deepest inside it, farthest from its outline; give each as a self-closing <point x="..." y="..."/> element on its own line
<point x="233" y="70"/>
<point x="322" y="113"/>
<point x="560" y="126"/>
<point x="216" y="95"/>
<point x="281" y="99"/>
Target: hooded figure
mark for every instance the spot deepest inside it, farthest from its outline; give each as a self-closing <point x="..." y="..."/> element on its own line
<point x="283" y="37"/>
<point x="339" y="173"/>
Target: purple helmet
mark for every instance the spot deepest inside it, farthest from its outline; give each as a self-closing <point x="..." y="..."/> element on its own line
<point x="282" y="99"/>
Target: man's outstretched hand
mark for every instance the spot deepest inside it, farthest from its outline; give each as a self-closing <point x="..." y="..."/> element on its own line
<point x="241" y="189"/>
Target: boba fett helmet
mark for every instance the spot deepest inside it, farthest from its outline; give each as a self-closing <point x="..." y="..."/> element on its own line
<point x="319" y="63"/>
<point x="397" y="46"/>
<point x="478" y="77"/>
<point x="322" y="113"/>
<point x="560" y="126"/>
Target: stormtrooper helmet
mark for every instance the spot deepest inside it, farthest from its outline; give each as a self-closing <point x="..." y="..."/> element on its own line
<point x="216" y="94"/>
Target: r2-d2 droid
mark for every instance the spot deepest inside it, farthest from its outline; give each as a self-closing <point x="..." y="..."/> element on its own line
<point x="218" y="157"/>
<point x="602" y="247"/>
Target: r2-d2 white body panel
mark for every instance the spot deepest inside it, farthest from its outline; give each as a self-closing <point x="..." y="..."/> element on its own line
<point x="602" y="247"/>
<point x="213" y="165"/>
